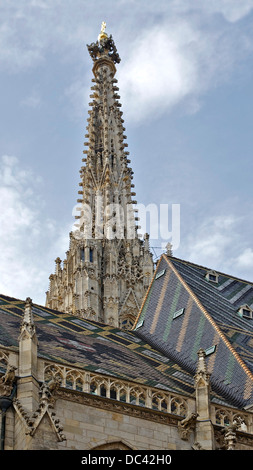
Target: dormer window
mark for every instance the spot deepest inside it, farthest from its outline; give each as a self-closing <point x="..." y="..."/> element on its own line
<point x="178" y="313"/>
<point x="245" y="311"/>
<point x="160" y="274"/>
<point x="210" y="350"/>
<point x="139" y="324"/>
<point x="212" y="276"/>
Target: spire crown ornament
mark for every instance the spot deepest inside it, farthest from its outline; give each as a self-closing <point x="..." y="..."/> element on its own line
<point x="103" y="34"/>
<point x="104" y="47"/>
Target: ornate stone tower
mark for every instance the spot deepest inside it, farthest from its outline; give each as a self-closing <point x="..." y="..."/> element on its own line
<point x="107" y="268"/>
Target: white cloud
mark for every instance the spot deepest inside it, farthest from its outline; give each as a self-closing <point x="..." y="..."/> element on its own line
<point x="245" y="259"/>
<point x="173" y="51"/>
<point x="177" y="61"/>
<point x="29" y="241"/>
<point x="217" y="244"/>
<point x="157" y="74"/>
<point x="209" y="243"/>
<point x="231" y="10"/>
<point x="242" y="264"/>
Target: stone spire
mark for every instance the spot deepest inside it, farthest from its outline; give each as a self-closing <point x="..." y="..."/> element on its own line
<point x="107" y="268"/>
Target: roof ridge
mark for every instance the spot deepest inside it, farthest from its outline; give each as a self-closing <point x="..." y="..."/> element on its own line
<point x="191" y="263"/>
<point x="209" y="318"/>
<point x="211" y="291"/>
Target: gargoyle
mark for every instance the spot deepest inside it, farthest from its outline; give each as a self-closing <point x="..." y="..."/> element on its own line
<point x="48" y="389"/>
<point x="187" y="425"/>
<point x="7" y="380"/>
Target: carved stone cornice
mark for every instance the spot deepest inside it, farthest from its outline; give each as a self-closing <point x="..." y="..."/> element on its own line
<point x="116" y="406"/>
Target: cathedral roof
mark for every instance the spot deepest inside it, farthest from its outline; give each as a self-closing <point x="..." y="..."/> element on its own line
<point x="93" y="346"/>
<point x="188" y="307"/>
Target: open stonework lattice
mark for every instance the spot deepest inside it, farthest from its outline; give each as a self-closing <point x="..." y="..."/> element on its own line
<point x="147" y="397"/>
<point x="117" y="389"/>
<point x="107" y="392"/>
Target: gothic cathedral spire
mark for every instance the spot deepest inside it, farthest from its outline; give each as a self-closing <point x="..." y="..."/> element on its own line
<point x="107" y="267"/>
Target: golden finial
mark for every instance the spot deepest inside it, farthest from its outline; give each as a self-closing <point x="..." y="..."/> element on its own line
<point x="102" y="34"/>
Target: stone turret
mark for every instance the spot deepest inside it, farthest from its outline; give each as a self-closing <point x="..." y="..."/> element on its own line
<point x="107" y="268"/>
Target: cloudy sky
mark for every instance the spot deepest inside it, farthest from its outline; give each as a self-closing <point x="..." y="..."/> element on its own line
<point x="186" y="87"/>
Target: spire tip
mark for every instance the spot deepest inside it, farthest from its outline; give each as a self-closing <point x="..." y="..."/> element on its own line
<point x="102" y="34"/>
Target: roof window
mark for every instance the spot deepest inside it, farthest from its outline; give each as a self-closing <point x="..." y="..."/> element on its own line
<point x="139" y="324"/>
<point x="178" y="313"/>
<point x="245" y="311"/>
<point x="212" y="276"/>
<point x="160" y="273"/>
<point x="210" y="350"/>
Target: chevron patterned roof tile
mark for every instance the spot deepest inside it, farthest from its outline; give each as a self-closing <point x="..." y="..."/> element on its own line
<point x="93" y="346"/>
<point x="209" y="319"/>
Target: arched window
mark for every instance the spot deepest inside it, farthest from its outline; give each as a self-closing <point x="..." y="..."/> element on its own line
<point x="127" y="322"/>
<point x="178" y="406"/>
<point x="223" y="418"/>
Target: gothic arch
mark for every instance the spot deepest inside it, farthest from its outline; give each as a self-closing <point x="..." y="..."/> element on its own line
<point x="128" y="310"/>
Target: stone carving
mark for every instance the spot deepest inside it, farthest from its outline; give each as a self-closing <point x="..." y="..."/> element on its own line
<point x="127" y="392"/>
<point x="226" y="417"/>
<point x="7" y="381"/>
<point x="187" y="425"/>
<point x="46" y="406"/>
<point x="47" y="390"/>
<point x="230" y="436"/>
<point x="105" y="46"/>
<point x="197" y="446"/>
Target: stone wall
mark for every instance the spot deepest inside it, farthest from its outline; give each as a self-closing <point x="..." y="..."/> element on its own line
<point x="87" y="427"/>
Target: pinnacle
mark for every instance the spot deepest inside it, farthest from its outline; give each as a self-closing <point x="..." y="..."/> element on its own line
<point x="28" y="316"/>
<point x="27" y="329"/>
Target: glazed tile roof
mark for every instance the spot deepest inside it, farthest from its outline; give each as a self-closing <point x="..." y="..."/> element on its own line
<point x="184" y="312"/>
<point x="93" y="346"/>
<point x="223" y="300"/>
